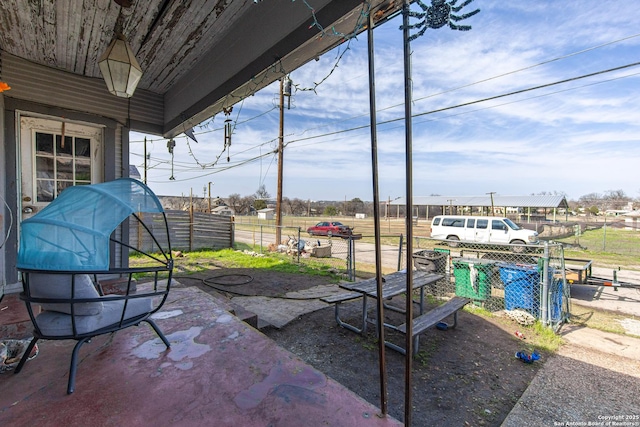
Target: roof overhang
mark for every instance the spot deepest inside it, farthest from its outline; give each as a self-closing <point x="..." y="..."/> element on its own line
<point x="198" y="58"/>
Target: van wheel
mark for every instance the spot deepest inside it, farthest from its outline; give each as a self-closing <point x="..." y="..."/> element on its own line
<point x="519" y="246"/>
<point x="453" y="241"/>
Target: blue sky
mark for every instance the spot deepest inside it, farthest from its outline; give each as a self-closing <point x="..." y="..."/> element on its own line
<point x="576" y="138"/>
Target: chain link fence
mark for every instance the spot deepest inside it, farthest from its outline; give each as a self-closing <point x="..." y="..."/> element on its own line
<point x="527" y="282"/>
<point x="614" y="237"/>
<point x="332" y="252"/>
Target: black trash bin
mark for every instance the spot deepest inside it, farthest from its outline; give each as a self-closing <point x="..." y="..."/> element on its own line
<point x="430" y="261"/>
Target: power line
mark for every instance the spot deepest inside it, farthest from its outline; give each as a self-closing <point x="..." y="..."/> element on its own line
<point x="208" y="165"/>
<point x="248" y="161"/>
<point x="486" y="99"/>
<point x="485" y="80"/>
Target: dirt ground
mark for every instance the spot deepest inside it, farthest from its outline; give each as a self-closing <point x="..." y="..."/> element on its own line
<point x="467" y="376"/>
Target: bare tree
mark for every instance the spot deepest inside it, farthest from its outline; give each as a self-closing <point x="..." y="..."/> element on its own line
<point x="287" y="204"/>
<point x="298" y="207"/>
<point x="175" y="203"/>
<point x="245" y="204"/>
<point x="262" y="193"/>
<point x="615" y="199"/>
<point x="590" y="199"/>
<point x="234" y="202"/>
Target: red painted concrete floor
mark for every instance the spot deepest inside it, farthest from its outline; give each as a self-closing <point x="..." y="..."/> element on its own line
<point x="218" y="372"/>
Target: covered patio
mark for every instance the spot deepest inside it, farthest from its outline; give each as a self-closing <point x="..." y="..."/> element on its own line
<point x="197" y="59"/>
<point x="219" y="371"/>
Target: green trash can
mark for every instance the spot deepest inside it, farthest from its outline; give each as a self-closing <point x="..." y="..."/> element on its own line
<point x="473" y="277"/>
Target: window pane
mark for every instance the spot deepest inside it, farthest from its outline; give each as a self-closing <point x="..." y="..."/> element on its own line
<point x="482" y="223"/>
<point x="44" y="143"/>
<point x="44" y="167"/>
<point x="83" y="170"/>
<point x="62" y="185"/>
<point x="64" y="168"/>
<point x="45" y="190"/>
<point x="66" y="148"/>
<point x="83" y="147"/>
<point x="60" y="164"/>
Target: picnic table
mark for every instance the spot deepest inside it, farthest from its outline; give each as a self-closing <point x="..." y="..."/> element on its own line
<point x="395" y="284"/>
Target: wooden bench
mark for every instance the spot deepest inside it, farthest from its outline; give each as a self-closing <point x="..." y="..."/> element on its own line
<point x="430" y="319"/>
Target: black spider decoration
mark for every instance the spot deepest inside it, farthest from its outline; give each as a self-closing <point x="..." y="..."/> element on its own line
<point x="439" y="14"/>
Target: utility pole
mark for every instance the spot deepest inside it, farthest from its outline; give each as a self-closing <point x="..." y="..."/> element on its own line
<point x="491" y="193"/>
<point x="209" y="197"/>
<point x="451" y="205"/>
<point x="281" y="155"/>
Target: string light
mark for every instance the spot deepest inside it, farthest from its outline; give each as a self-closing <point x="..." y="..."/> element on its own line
<point x="274" y="72"/>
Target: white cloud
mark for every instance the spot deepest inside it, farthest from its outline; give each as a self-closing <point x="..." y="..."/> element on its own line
<point x="577" y="137"/>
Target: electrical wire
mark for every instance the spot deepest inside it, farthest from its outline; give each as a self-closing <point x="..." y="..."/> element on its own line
<point x="486" y="99"/>
<point x="203" y="166"/>
<point x="296" y="141"/>
<point x="481" y="81"/>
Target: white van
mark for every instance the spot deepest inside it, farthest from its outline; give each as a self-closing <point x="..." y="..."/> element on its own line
<point x="480" y="229"/>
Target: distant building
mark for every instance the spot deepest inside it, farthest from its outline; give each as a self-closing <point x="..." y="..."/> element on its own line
<point x="632" y="220"/>
<point x="223" y="210"/>
<point x="266" y="213"/>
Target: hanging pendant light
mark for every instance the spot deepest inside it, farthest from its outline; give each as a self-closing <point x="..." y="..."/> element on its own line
<point x="120" y="68"/>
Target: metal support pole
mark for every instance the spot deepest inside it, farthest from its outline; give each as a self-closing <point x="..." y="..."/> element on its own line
<point x="280" y="166"/>
<point x="382" y="366"/>
<point x="408" y="365"/>
<point x="145" y="160"/>
<point x="400" y="251"/>
<point x="298" y="251"/>
<point x="544" y="309"/>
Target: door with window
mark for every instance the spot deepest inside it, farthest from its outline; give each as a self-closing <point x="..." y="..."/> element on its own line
<point x="482" y="231"/>
<point x="499" y="231"/>
<point x="56" y="155"/>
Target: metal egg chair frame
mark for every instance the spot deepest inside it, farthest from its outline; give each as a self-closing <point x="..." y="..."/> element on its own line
<point x="65" y="253"/>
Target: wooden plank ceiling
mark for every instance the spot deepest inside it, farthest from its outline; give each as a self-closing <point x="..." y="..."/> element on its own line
<point x="193" y="52"/>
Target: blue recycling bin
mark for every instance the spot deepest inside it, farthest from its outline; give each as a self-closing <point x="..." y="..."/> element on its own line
<point x="521" y="287"/>
<point x="556" y="301"/>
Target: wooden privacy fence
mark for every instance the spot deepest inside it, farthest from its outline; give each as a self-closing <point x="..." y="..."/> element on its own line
<point x="188" y="231"/>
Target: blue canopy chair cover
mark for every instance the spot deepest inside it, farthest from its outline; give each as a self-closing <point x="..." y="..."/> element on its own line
<point x="65" y="250"/>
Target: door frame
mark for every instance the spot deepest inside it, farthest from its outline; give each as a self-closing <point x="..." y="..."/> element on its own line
<point x="97" y="148"/>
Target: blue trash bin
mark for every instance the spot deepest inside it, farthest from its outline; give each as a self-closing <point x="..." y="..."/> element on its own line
<point x="556" y="301"/>
<point x="521" y="287"/>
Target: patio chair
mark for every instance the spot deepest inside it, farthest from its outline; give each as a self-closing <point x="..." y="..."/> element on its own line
<point x="64" y="254"/>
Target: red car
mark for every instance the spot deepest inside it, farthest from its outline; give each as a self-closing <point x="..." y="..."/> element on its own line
<point x="329" y="228"/>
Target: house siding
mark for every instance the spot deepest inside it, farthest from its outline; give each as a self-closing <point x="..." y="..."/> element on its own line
<point x="49" y="86"/>
<point x="51" y="93"/>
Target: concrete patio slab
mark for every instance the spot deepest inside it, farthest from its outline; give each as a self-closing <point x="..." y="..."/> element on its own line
<point x="218" y="372"/>
<point x="279" y="311"/>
